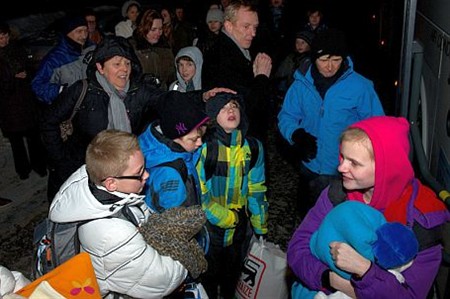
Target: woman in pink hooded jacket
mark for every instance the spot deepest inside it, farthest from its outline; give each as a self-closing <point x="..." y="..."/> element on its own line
<point x="375" y="170"/>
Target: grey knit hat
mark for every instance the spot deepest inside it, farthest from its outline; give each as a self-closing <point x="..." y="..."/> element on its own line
<point x="127" y="4"/>
<point x="214" y="14"/>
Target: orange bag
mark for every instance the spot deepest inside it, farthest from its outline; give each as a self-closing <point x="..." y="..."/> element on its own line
<point x="73" y="279"/>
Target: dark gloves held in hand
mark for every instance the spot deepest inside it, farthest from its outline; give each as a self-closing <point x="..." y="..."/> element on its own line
<point x="241" y="216"/>
<point x="305" y="144"/>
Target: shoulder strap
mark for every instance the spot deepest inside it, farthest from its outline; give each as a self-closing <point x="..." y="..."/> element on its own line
<point x="191" y="192"/>
<point x="254" y="149"/>
<point x="428" y="237"/>
<point x="212" y="152"/>
<point x="336" y="192"/>
<point x="179" y="166"/>
<point x="304" y="64"/>
<point x="80" y="99"/>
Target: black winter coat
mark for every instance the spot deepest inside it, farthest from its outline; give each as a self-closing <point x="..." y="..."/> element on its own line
<point x="226" y="66"/>
<point x="18" y="104"/>
<point x="91" y="118"/>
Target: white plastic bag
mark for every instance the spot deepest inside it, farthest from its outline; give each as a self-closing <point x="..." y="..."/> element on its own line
<point x="264" y="273"/>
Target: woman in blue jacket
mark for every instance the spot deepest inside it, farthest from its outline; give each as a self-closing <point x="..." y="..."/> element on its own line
<point x="319" y="105"/>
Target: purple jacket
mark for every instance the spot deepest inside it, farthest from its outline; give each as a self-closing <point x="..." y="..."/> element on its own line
<point x="377" y="283"/>
<point x="394" y="184"/>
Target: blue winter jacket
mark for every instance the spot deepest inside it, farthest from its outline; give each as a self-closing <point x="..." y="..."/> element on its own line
<point x="165" y="187"/>
<point x="350" y="99"/>
<point x="62" y="54"/>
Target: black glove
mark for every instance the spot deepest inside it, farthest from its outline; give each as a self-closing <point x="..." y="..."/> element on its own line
<point x="236" y="215"/>
<point x="305" y="144"/>
<point x="241" y="217"/>
<point x="152" y="79"/>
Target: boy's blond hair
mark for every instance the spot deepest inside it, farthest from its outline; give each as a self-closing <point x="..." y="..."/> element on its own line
<point x="108" y="154"/>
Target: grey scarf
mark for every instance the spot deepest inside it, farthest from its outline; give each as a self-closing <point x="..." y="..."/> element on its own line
<point x="117" y="113"/>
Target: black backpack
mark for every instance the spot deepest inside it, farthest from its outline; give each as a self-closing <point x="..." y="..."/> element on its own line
<point x="54" y="243"/>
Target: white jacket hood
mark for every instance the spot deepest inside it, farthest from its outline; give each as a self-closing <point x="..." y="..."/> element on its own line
<point x="75" y="202"/>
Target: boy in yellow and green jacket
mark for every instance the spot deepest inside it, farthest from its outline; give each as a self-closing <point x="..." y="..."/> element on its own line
<point x="232" y="179"/>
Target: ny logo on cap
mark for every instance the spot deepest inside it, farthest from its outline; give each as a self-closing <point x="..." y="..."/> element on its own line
<point x="181" y="128"/>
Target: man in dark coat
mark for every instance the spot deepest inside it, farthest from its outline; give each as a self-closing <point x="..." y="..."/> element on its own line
<point x="229" y="64"/>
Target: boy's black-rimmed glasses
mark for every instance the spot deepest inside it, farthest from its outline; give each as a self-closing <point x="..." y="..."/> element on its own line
<point x="128" y="177"/>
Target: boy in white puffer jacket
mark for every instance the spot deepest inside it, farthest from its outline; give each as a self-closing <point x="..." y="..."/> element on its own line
<point x="109" y="183"/>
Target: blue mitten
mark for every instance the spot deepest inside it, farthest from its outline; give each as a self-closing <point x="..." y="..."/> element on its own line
<point x="396" y="245"/>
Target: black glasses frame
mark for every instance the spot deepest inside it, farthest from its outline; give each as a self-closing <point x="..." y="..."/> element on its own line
<point x="128" y="177"/>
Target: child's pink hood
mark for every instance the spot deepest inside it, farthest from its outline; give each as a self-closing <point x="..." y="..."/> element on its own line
<point x="393" y="170"/>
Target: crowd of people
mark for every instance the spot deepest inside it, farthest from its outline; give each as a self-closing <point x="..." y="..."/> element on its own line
<point x="176" y="114"/>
